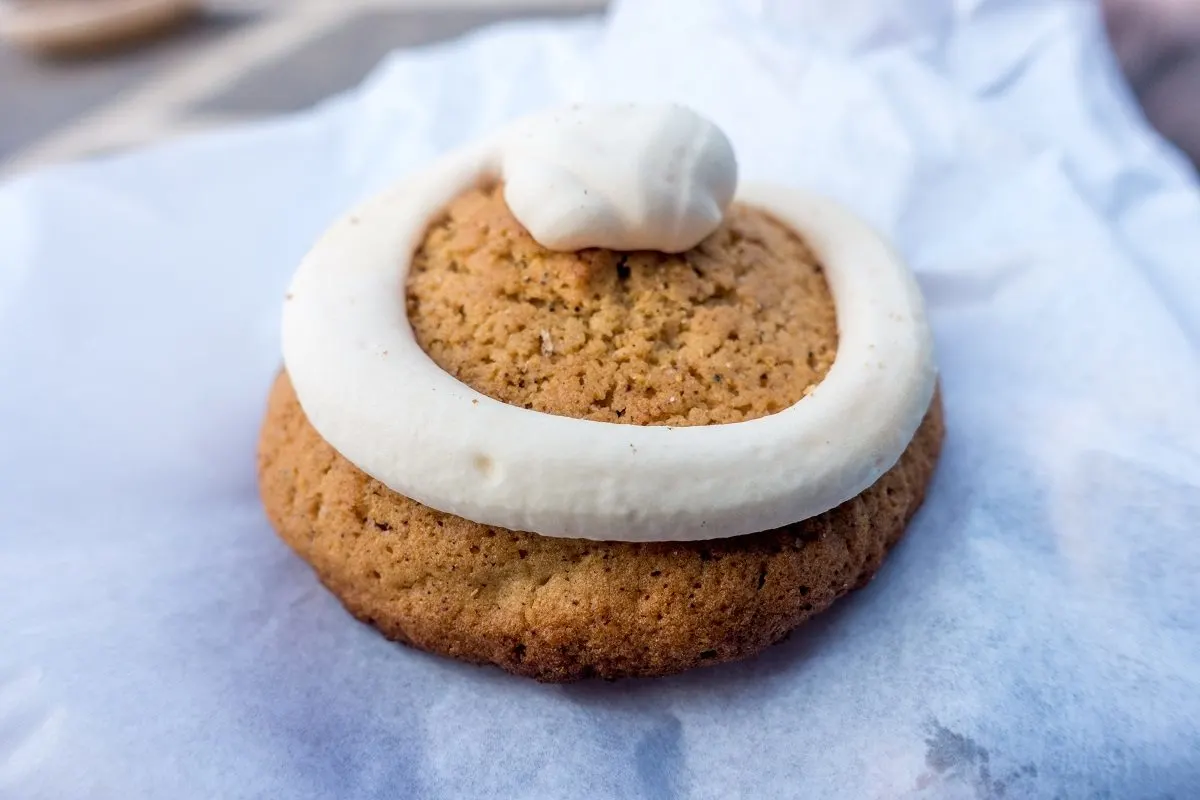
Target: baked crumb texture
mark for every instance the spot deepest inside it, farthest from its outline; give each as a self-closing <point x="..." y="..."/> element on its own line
<point x="739" y="327"/>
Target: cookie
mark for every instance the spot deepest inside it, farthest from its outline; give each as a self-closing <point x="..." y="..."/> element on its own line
<point x="560" y="404"/>
<point x="79" y="27"/>
<point x="707" y="336"/>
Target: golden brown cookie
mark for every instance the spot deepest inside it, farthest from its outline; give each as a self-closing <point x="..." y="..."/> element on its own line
<point x="739" y="327"/>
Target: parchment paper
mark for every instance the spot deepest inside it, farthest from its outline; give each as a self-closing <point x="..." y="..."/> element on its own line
<point x="1035" y="636"/>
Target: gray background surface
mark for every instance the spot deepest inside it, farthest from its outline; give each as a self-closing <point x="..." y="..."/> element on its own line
<point x="285" y="56"/>
<point x="56" y="110"/>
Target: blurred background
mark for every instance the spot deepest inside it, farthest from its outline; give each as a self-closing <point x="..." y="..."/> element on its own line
<point x="81" y="77"/>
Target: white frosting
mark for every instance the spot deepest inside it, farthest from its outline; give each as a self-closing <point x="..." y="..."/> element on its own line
<point x="369" y="389"/>
<point x="619" y="177"/>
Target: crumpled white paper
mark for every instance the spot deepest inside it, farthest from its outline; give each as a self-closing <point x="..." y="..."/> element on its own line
<point x="1037" y="634"/>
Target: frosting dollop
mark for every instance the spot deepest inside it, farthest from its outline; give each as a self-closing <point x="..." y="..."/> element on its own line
<point x="621" y="177"/>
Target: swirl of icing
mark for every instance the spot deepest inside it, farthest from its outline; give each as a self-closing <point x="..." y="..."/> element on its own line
<point x="620" y="177"/>
<point x="375" y="396"/>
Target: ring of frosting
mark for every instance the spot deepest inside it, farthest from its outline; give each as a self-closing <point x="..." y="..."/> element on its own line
<point x="370" y="390"/>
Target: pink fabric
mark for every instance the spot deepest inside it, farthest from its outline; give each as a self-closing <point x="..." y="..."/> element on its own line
<point x="1158" y="44"/>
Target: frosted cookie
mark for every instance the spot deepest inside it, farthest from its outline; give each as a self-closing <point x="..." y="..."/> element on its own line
<point x="574" y="403"/>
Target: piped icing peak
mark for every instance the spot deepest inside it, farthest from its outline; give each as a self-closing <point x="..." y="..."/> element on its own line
<point x="621" y="177"/>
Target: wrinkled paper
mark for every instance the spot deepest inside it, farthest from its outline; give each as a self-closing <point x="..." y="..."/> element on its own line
<point x="1036" y="635"/>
